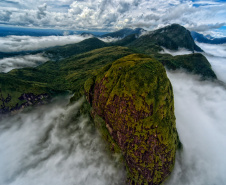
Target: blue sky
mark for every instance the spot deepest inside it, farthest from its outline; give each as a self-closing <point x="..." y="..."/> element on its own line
<point x="205" y="16"/>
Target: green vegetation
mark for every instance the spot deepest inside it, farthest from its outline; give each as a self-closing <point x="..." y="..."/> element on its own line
<point x="60" y="52"/>
<point x="135" y="99"/>
<point x="129" y="95"/>
<point x="172" y="37"/>
<point x="56" y="77"/>
<point x="194" y="63"/>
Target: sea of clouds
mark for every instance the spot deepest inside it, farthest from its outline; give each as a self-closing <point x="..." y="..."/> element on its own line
<point x="16" y="43"/>
<point x="9" y="63"/>
<point x="201" y="123"/>
<point x="216" y="55"/>
<point x="46" y="146"/>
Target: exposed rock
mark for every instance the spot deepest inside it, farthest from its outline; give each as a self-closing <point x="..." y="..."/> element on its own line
<point x="27" y="99"/>
<point x="134" y="97"/>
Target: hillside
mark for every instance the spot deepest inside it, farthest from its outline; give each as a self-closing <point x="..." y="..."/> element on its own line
<point x="55" y="77"/>
<point x="171" y="37"/>
<point x="77" y="65"/>
<point x="209" y="40"/>
<point x="124" y="32"/>
<point x="60" y="52"/>
<point x="132" y="105"/>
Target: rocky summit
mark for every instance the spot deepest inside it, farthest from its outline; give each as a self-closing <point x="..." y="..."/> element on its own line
<point x="134" y="98"/>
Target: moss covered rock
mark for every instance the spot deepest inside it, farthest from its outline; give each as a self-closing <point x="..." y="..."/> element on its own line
<point x="134" y="97"/>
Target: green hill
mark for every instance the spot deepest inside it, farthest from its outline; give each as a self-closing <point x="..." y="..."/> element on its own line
<point x="55" y="77"/>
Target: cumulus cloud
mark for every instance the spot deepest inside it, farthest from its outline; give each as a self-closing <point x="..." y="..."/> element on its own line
<point x="7" y="64"/>
<point x="204" y="27"/>
<point x="200" y="116"/>
<point x="5" y="16"/>
<point x="41" y="11"/>
<point x="47" y="146"/>
<point x="115" y="14"/>
<point x="27" y="43"/>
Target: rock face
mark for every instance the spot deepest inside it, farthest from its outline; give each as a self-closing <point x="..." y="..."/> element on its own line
<point x="135" y="99"/>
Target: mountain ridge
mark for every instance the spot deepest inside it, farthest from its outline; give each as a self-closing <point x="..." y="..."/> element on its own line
<point x="207" y="39"/>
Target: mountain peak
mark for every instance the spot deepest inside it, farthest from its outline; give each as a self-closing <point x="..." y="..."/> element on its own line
<point x="124" y="32"/>
<point x="171" y="37"/>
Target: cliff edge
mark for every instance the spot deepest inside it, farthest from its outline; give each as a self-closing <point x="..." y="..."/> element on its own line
<point x="134" y="98"/>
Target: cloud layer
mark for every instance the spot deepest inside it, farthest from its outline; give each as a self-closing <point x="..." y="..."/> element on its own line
<point x="113" y="14"/>
<point x="216" y="55"/>
<point x="7" y="64"/>
<point x="200" y="118"/>
<point x="27" y="43"/>
<point x="199" y="110"/>
<point x="48" y="147"/>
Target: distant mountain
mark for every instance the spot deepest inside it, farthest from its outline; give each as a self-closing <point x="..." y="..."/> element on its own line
<point x="124" y="32"/>
<point x="87" y="34"/>
<point x="207" y="39"/>
<point x="60" y="52"/>
<point x="172" y="37"/>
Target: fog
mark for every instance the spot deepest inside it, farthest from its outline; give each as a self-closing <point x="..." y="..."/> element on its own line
<point x="110" y="39"/>
<point x="216" y="55"/>
<point x="7" y="64"/>
<point x="201" y="123"/>
<point x="48" y="146"/>
<point x="15" y="43"/>
<point x="180" y="51"/>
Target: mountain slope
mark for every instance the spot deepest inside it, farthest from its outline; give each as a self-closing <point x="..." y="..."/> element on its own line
<point x="54" y="77"/>
<point x="134" y="98"/>
<point x="60" y="52"/>
<point x="124" y="32"/>
<point x="172" y="37"/>
<point x="201" y="38"/>
<point x="194" y="63"/>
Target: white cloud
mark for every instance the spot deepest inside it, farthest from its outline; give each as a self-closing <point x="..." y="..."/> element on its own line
<point x="114" y="14"/>
<point x="27" y="43"/>
<point x="45" y="146"/>
<point x="41" y="11"/>
<point x="200" y="116"/>
<point x="180" y="51"/>
<point x="216" y="55"/>
<point x="7" y="64"/>
<point x="218" y="50"/>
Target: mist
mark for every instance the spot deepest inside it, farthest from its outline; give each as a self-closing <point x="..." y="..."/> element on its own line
<point x="201" y="123"/>
<point x="180" y="51"/>
<point x="15" y="43"/>
<point x="200" y="117"/>
<point x="216" y="55"/>
<point x="110" y="39"/>
<point x="48" y="145"/>
<point x="7" y="64"/>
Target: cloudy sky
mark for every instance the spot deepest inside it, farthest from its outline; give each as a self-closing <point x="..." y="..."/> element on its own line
<point x="109" y="15"/>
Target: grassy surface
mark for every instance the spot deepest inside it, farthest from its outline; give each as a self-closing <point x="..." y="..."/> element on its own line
<point x="68" y="74"/>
